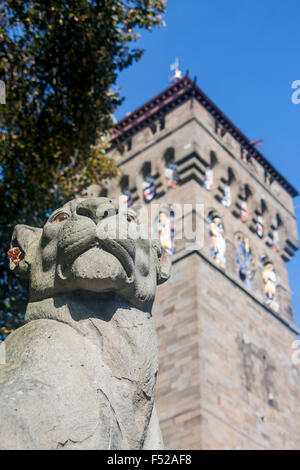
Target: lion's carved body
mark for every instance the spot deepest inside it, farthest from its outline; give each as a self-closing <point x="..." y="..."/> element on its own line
<point x="81" y="373"/>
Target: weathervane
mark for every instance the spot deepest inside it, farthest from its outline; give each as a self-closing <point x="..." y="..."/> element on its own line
<point x="257" y="143"/>
<point x="177" y="72"/>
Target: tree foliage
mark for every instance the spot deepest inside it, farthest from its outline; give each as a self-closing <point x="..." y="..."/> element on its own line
<point x="59" y="60"/>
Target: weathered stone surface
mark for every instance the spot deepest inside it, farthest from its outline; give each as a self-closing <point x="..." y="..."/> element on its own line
<point x="81" y="373"/>
<point x="213" y="390"/>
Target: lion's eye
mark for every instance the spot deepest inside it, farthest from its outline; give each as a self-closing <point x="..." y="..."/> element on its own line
<point x="61" y="217"/>
<point x="130" y="218"/>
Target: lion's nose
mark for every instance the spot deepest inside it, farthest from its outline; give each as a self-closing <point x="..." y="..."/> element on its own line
<point x="97" y="208"/>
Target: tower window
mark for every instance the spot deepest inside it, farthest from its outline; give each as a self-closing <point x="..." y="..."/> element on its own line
<point x="149" y="188"/>
<point x="268" y="178"/>
<point x="169" y="155"/>
<point x="121" y="149"/>
<point x="243" y="153"/>
<point x="126" y="193"/>
<point x="153" y="128"/>
<point x="162" y="123"/>
<point x="223" y="131"/>
<point x="104" y="192"/>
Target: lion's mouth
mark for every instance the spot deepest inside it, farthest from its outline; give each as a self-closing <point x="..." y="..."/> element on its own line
<point x="122" y="250"/>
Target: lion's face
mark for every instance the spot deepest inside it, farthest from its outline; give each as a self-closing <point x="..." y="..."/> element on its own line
<point x="90" y="244"/>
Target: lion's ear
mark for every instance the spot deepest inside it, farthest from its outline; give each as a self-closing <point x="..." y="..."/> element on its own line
<point x="21" y="250"/>
<point x="162" y="262"/>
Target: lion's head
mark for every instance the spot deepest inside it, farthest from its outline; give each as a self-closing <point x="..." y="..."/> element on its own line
<point x="89" y="244"/>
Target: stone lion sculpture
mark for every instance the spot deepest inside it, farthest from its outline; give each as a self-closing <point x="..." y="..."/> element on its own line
<point x="81" y="373"/>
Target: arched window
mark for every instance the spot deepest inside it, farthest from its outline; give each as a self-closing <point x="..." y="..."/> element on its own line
<point x="169" y="155"/>
<point x="162" y="123"/>
<point x="244" y="260"/>
<point x="126" y="193"/>
<point x="244" y="211"/>
<point x="129" y="144"/>
<point x="208" y="181"/>
<point x="226" y="195"/>
<point x="275" y="235"/>
<point x="146" y="169"/>
<point x="153" y="127"/>
<point x="268" y="178"/>
<point x="213" y="158"/>
<point x="217" y="244"/>
<point x="171" y="170"/>
<point x="103" y="192"/>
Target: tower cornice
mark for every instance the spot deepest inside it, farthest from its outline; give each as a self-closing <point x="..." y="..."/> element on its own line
<point x="176" y="94"/>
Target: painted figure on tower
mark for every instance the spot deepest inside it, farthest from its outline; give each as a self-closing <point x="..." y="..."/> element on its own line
<point x="244" y="260"/>
<point x="217" y="241"/>
<point x="244" y="211"/>
<point x="226" y="199"/>
<point x="126" y="198"/>
<point x="171" y="175"/>
<point x="149" y="189"/>
<point x="166" y="230"/>
<point x="259" y="226"/>
<point x="270" y="279"/>
<point x="209" y="179"/>
<point x="275" y="241"/>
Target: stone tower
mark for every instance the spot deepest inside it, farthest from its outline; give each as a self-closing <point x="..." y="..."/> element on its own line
<point x="224" y="320"/>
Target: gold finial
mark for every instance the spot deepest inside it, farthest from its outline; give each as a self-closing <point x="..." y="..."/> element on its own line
<point x="177" y="72"/>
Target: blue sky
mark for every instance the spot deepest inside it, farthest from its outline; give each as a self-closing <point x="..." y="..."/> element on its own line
<point x="245" y="54"/>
